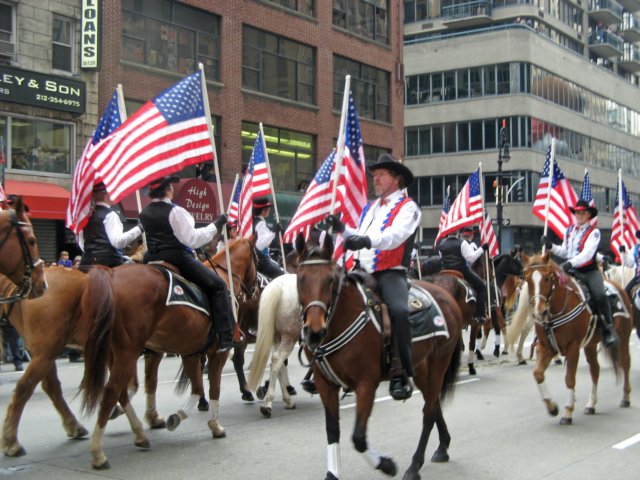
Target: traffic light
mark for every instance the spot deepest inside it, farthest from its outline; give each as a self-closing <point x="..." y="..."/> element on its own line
<point x="505" y="146"/>
<point x="519" y="194"/>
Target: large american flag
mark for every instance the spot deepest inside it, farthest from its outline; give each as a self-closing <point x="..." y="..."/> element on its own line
<point x="84" y="176"/>
<point x="488" y="236"/>
<point x="467" y="207"/>
<point x="587" y="195"/>
<point x="233" y="204"/>
<point x="626" y="217"/>
<point x="562" y="197"/>
<point x="446" y="206"/>
<point x="316" y="202"/>
<point x="255" y="184"/>
<point x="166" y="135"/>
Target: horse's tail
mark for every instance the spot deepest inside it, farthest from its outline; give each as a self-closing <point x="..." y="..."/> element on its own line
<point x="98" y="308"/>
<point x="451" y="374"/>
<point x="518" y="321"/>
<point x="269" y="302"/>
<point x="183" y="381"/>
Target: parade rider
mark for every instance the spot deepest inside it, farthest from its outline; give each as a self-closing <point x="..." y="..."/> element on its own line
<point x="460" y="254"/>
<point x="632" y="260"/>
<point x="266" y="266"/>
<point x="579" y="248"/>
<point x="103" y="238"/>
<point x="171" y="234"/>
<point x="384" y="239"/>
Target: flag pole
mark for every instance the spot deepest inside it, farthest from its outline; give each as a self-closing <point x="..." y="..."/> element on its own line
<point x="341" y="141"/>
<point x="486" y="252"/>
<point x="552" y="159"/>
<point x="233" y="191"/>
<point x="622" y="230"/>
<point x="275" y="204"/>
<point x="207" y="115"/>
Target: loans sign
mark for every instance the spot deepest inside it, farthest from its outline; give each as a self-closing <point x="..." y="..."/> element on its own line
<point x="90" y="34"/>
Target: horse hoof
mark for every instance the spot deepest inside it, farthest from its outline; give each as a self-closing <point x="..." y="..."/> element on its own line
<point x="625" y="403"/>
<point x="247" y="396"/>
<point x="261" y="392"/>
<point x="504" y="352"/>
<point x="479" y="355"/>
<point x="472" y="369"/>
<point x="554" y="411"/>
<point x="439" y="457"/>
<point x="557" y="361"/>
<point x="522" y="362"/>
<point x="116" y="412"/>
<point x="408" y="475"/>
<point x="589" y="411"/>
<point x="173" y="422"/>
<point x="143" y="444"/>
<point x="291" y="390"/>
<point x="290" y="406"/>
<point x="496" y="352"/>
<point x="221" y="434"/>
<point x="266" y="412"/>
<point x="80" y="433"/>
<point x="158" y="424"/>
<point x="203" y="405"/>
<point x="388" y="466"/>
<point x="16" y="453"/>
<point x="102" y="466"/>
<point x="566" y="421"/>
<point x="330" y="476"/>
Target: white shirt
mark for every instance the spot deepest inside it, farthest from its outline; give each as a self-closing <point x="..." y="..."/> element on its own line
<point x="470" y="251"/>
<point x="115" y="231"/>
<point x="404" y="225"/>
<point x="183" y="226"/>
<point x="570" y="248"/>
<point x="265" y="236"/>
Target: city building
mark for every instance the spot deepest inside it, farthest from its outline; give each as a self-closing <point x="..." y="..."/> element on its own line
<point x="548" y="68"/>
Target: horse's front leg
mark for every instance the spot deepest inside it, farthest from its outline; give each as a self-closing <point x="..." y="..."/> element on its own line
<point x="51" y="386"/>
<point x="572" y="356"/>
<point x="365" y="395"/>
<point x="216" y="364"/>
<point x="543" y="358"/>
<point x="331" y="402"/>
<point x="591" y="353"/>
<point x="151" y="365"/>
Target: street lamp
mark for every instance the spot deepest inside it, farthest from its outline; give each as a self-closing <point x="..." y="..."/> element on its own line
<point x="503" y="156"/>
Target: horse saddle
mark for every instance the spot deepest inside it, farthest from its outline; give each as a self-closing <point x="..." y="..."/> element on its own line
<point x="183" y="292"/>
<point x="613" y="294"/>
<point x="425" y="315"/>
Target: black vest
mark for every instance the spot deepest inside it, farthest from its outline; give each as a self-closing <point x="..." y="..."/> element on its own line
<point x="155" y="221"/>
<point x="97" y="247"/>
<point x="450" y="250"/>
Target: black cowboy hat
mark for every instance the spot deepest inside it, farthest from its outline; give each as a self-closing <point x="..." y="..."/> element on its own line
<point x="637" y="233"/>
<point x="468" y="228"/>
<point x="582" y="205"/>
<point x="12" y="199"/>
<point x="162" y="183"/>
<point x="99" y="187"/>
<point x="387" y="161"/>
<point x="261" y="202"/>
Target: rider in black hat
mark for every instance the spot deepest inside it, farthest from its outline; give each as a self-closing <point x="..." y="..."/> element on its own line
<point x="266" y="266"/>
<point x="579" y="248"/>
<point x="171" y="233"/>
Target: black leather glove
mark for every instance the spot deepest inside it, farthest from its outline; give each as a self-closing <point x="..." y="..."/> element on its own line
<point x="357" y="242"/>
<point x="622" y="249"/>
<point x="567" y="267"/>
<point x="485" y="246"/>
<point x="220" y="222"/>
<point x="277" y="228"/>
<point x="544" y="240"/>
<point x="334" y="222"/>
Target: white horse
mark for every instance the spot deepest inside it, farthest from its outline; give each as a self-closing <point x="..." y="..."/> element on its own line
<point x="278" y="329"/>
<point x="622" y="276"/>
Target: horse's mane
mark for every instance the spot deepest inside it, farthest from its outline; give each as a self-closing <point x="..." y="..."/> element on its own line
<point x="539" y="259"/>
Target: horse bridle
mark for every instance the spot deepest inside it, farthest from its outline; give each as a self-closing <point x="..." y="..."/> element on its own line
<point x="547" y="298"/>
<point x="25" y="285"/>
<point x="327" y="309"/>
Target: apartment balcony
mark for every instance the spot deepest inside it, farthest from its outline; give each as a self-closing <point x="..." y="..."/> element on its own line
<point x="605" y="44"/>
<point x="467" y="14"/>
<point x="608" y="12"/>
<point x="630" y="5"/>
<point x="630" y="28"/>
<point x="630" y="60"/>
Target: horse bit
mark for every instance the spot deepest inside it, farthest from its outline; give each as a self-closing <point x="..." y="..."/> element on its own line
<point x="326" y="309"/>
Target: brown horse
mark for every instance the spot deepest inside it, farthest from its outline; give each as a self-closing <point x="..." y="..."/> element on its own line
<point x="338" y="329"/>
<point x="564" y="323"/>
<point x="143" y="320"/>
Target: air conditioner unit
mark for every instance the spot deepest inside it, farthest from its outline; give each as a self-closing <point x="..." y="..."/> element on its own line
<point x="6" y="49"/>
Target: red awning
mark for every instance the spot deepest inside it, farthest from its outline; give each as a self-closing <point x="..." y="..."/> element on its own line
<point x="45" y="200"/>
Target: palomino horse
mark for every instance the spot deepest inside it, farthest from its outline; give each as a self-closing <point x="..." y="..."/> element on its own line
<point x="622" y="276"/>
<point x="339" y="329"/>
<point x="564" y="323"/>
<point x="144" y="319"/>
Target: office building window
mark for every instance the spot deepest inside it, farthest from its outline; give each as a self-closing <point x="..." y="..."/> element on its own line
<point x="37" y="146"/>
<point x="291" y="154"/>
<point x="278" y="66"/>
<point x="62" y="53"/>
<point x="306" y="7"/>
<point x="7" y="41"/>
<point x="367" y="18"/>
<point x="170" y="36"/>
<point x="370" y="87"/>
<point x="415" y="10"/>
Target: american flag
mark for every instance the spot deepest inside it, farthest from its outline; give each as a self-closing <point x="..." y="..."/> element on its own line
<point x="233" y="204"/>
<point x="446" y="206"/>
<point x="316" y="202"/>
<point x="562" y="197"/>
<point x="84" y="176"/>
<point x="467" y="207"/>
<point x="488" y="236"/>
<point x="166" y="135"/>
<point x="587" y="195"/>
<point x="627" y="218"/>
<point x="254" y="184"/>
<point x="353" y="178"/>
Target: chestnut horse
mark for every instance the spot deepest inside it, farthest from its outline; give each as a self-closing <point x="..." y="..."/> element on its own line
<point x="144" y="320"/>
<point x="338" y="328"/>
<point x="564" y="323"/>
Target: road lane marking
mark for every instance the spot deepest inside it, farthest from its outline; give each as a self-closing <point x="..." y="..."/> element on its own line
<point x="627" y="443"/>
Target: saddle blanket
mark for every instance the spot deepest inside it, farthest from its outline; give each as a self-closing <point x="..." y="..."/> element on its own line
<point x="182" y="292"/>
<point x="425" y="315"/>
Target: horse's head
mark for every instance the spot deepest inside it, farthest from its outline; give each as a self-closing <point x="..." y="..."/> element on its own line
<point x="318" y="280"/>
<point x="243" y="259"/>
<point x="543" y="278"/>
<point x="509" y="263"/>
<point x="19" y="257"/>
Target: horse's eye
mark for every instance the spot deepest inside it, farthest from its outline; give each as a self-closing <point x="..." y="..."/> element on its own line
<point x="31" y="242"/>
